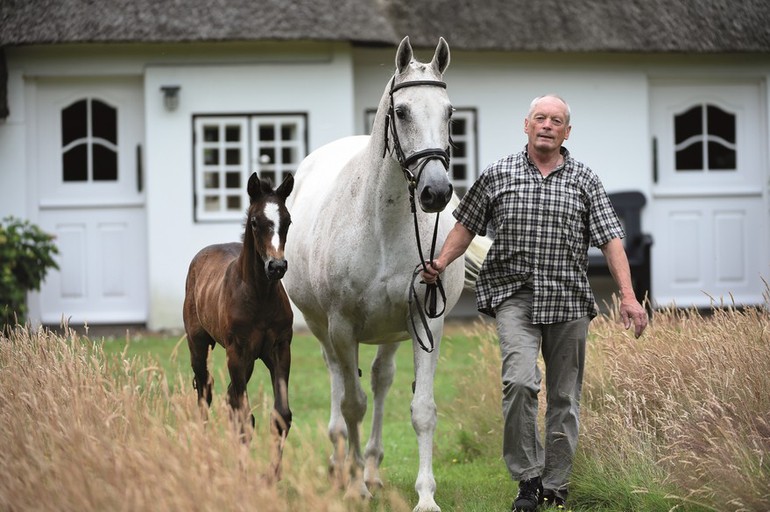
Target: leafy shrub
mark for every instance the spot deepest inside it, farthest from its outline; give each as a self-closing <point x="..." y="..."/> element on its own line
<point x="26" y="255"/>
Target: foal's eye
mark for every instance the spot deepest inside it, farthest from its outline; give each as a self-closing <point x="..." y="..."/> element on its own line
<point x="253" y="223"/>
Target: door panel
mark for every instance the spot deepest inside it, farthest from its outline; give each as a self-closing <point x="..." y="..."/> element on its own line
<point x="89" y="131"/>
<point x="709" y="206"/>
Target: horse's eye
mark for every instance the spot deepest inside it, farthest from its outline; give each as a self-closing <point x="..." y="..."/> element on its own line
<point x="400" y="113"/>
<point x="253" y="223"/>
<point x="451" y="112"/>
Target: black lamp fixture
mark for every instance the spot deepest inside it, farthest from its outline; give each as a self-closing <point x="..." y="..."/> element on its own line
<point x="170" y="96"/>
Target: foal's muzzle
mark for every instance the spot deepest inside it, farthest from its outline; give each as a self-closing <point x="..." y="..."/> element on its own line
<point x="276" y="269"/>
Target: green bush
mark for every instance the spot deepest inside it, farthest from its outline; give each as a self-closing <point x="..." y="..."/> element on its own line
<point x="26" y="255"/>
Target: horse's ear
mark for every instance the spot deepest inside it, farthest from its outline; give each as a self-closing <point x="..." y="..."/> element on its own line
<point x="404" y="55"/>
<point x="286" y="187"/>
<point x="253" y="188"/>
<point x="441" y="57"/>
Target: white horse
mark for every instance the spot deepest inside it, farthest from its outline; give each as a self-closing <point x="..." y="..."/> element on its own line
<point x="353" y="253"/>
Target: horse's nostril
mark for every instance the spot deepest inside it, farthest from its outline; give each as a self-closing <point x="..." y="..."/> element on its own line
<point x="276" y="268"/>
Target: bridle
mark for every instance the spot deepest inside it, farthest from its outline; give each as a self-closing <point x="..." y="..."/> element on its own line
<point x="412" y="178"/>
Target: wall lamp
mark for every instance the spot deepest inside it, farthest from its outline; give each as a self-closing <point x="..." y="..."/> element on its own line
<point x="170" y="96"/>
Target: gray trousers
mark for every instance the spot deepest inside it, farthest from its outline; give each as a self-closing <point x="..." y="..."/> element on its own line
<point x="563" y="347"/>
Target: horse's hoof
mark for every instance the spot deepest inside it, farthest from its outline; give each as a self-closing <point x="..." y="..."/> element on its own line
<point x="356" y="493"/>
<point x="374" y="483"/>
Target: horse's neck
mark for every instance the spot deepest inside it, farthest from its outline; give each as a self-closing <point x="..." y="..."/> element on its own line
<point x="250" y="267"/>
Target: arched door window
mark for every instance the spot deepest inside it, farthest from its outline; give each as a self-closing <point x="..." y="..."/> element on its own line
<point x="705" y="139"/>
<point x="89" y="145"/>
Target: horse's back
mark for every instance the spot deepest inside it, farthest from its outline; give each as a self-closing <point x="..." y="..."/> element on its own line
<point x="204" y="278"/>
<point x="317" y="174"/>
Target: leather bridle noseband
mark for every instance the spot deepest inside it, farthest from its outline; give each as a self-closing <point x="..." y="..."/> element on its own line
<point x="413" y="178"/>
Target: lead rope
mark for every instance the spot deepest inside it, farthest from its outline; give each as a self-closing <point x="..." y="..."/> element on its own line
<point x="428" y="309"/>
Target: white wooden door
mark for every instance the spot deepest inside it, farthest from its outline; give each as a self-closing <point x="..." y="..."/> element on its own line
<point x="709" y="206"/>
<point x="88" y="159"/>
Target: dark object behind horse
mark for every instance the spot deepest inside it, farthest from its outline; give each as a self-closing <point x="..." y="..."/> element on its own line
<point x="234" y="297"/>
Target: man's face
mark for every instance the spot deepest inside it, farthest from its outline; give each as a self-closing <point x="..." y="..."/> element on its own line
<point x="547" y="126"/>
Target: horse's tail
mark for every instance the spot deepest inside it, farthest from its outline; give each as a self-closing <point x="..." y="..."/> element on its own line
<point x="475" y="254"/>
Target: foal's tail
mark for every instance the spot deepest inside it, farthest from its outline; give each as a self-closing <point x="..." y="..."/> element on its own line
<point x="475" y="254"/>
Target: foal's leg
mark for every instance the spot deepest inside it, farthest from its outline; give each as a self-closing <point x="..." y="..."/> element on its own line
<point x="240" y="364"/>
<point x="279" y="365"/>
<point x="424" y="417"/>
<point x="383" y="369"/>
<point x="199" y="343"/>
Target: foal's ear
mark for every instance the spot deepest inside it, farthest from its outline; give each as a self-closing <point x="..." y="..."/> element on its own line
<point x="286" y="187"/>
<point x="441" y="57"/>
<point x="404" y="54"/>
<point x="253" y="188"/>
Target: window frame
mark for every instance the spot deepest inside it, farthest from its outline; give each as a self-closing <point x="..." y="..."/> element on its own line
<point x="249" y="146"/>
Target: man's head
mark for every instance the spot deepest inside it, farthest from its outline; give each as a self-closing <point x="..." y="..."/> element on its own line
<point x="547" y="123"/>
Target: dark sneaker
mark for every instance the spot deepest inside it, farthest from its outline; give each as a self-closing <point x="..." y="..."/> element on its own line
<point x="530" y="495"/>
<point x="550" y="500"/>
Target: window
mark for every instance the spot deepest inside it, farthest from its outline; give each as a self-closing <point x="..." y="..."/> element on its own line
<point x="463" y="166"/>
<point x="229" y="148"/>
<point x="89" y="132"/>
<point x="704" y="139"/>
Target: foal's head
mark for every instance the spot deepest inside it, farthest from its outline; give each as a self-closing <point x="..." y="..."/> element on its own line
<point x="267" y="223"/>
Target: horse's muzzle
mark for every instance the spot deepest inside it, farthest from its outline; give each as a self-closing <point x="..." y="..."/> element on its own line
<point x="435" y="199"/>
<point x="276" y="269"/>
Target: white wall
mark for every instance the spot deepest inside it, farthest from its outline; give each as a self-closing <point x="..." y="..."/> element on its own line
<point x="320" y="86"/>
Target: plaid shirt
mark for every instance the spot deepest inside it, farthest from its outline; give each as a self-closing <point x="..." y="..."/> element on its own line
<point x="543" y="228"/>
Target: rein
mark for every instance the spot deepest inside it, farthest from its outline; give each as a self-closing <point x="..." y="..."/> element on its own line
<point x="429" y="308"/>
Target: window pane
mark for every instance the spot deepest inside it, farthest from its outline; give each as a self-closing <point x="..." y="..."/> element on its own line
<point x="105" y="163"/>
<point x="459" y="149"/>
<point x="690" y="158"/>
<point x="289" y="132"/>
<point x="721" y="124"/>
<point x="688" y="124"/>
<point x="459" y="126"/>
<point x="266" y="132"/>
<point x="211" y="133"/>
<point x="211" y="156"/>
<point x="459" y="172"/>
<point x="233" y="156"/>
<point x="289" y="155"/>
<point x="105" y="121"/>
<point x="233" y="202"/>
<point x="211" y="203"/>
<point x="75" y="164"/>
<point x="74" y="122"/>
<point x="232" y="133"/>
<point x="267" y="156"/>
<point x="720" y="157"/>
<point x="233" y="180"/>
<point x="211" y="180"/>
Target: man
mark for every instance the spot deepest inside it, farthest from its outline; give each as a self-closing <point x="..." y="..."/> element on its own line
<point x="545" y="209"/>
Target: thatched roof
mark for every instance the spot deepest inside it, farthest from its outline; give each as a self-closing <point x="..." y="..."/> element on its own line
<point x="689" y="26"/>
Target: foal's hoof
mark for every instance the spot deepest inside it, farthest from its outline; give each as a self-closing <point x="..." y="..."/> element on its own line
<point x="358" y="492"/>
<point x="374" y="484"/>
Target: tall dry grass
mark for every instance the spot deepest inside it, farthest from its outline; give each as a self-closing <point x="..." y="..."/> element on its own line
<point x="81" y="431"/>
<point x="678" y="418"/>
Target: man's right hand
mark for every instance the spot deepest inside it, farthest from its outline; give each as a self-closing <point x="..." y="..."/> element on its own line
<point x="431" y="271"/>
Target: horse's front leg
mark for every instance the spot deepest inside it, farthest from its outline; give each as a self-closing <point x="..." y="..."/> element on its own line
<point x="281" y="415"/>
<point x="424" y="417"/>
<point x="240" y="365"/>
<point x="352" y="403"/>
<point x="383" y="370"/>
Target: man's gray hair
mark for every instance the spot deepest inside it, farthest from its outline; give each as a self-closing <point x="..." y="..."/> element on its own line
<point x="536" y="100"/>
